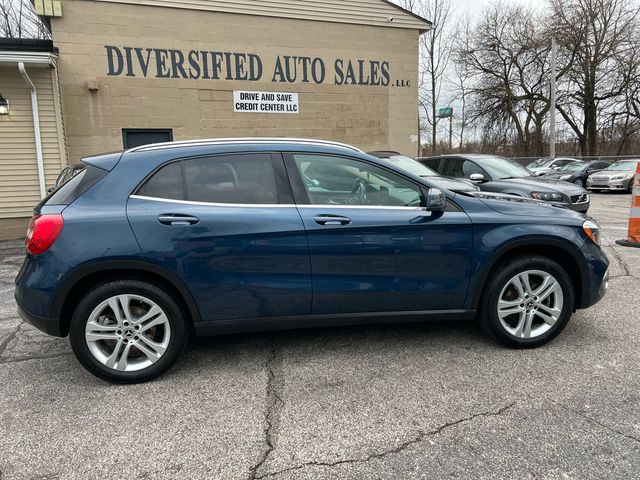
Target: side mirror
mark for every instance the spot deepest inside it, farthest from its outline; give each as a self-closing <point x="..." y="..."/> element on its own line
<point x="436" y="200"/>
<point x="555" y="167"/>
<point x="476" y="177"/>
<point x="50" y="189"/>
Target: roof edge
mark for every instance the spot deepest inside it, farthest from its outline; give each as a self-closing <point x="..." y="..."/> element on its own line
<point x="428" y="23"/>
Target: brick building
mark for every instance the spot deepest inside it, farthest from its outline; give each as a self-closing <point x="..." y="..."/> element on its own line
<point x="132" y="72"/>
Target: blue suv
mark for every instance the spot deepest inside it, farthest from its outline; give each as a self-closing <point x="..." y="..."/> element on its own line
<point x="222" y="236"/>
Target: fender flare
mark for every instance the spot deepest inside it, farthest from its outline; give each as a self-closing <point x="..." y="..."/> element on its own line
<point x="524" y="242"/>
<point x="77" y="275"/>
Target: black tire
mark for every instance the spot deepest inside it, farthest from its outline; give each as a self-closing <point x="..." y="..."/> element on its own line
<point x="579" y="182"/>
<point x="499" y="278"/>
<point x="174" y="314"/>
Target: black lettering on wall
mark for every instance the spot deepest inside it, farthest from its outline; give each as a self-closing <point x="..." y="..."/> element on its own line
<point x="115" y="63"/>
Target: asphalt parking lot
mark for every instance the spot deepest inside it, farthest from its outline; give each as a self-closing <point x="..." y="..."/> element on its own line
<point x="436" y="400"/>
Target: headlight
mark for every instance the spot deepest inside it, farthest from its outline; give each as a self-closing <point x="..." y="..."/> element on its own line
<point x="565" y="177"/>
<point x="592" y="229"/>
<point x="547" y="196"/>
<point x="618" y="177"/>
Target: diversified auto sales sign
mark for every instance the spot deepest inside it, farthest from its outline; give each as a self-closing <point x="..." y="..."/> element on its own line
<point x="213" y="65"/>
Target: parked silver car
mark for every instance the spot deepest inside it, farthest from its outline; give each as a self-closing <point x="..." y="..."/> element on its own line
<point x="618" y="176"/>
<point x="549" y="165"/>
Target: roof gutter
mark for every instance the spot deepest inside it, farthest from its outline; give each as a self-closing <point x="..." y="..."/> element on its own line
<point x="36" y="128"/>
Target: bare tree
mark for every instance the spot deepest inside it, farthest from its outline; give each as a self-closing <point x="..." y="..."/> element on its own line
<point x="461" y="77"/>
<point x="435" y="52"/>
<point x="598" y="40"/>
<point x="19" y="20"/>
<point x="505" y="55"/>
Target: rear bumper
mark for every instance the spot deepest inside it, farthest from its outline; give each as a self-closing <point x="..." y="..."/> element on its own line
<point x="46" y="325"/>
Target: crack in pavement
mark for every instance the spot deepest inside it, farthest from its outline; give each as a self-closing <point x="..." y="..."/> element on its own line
<point x="274" y="404"/>
<point x="623" y="265"/>
<point x="34" y="357"/>
<point x="5" y="344"/>
<point x="597" y="422"/>
<point x="420" y="436"/>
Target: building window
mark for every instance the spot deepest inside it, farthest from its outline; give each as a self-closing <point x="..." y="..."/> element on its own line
<point x="136" y="137"/>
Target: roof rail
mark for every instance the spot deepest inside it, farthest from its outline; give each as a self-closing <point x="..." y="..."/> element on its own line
<point x="222" y="141"/>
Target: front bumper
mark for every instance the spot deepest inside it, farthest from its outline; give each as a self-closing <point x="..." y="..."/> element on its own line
<point x="608" y="184"/>
<point x="596" y="280"/>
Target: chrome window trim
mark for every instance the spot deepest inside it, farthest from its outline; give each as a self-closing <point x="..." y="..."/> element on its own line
<point x="213" y="204"/>
<point x="274" y="205"/>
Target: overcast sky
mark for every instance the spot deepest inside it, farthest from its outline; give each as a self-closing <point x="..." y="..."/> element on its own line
<point x="475" y="6"/>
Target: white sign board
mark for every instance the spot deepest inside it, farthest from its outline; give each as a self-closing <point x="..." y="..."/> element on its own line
<point x="264" y="102"/>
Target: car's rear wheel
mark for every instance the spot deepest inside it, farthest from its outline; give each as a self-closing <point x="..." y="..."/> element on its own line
<point x="528" y="301"/>
<point x="127" y="331"/>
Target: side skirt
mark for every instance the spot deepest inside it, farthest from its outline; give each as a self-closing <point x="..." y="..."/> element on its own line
<point x="223" y="327"/>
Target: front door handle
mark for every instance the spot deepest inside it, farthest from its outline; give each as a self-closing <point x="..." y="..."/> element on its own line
<point x="177" y="219"/>
<point x="331" y="220"/>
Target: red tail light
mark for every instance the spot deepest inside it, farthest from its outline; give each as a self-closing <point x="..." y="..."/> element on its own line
<point x="42" y="232"/>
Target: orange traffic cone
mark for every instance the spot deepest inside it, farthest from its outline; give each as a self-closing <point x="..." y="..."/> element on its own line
<point x="633" y="239"/>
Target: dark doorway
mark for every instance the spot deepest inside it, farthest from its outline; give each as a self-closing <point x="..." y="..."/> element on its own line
<point x="135" y="137"/>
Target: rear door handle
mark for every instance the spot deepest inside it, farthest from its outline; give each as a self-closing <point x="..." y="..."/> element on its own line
<point x="177" y="219"/>
<point x="331" y="220"/>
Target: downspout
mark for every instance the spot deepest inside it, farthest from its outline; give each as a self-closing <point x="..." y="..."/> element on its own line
<point x="36" y="128"/>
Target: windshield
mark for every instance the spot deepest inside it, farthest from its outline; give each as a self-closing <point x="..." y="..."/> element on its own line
<point x="541" y="162"/>
<point x="502" y="168"/>
<point x="412" y="166"/>
<point x="623" y="166"/>
<point x="573" y="167"/>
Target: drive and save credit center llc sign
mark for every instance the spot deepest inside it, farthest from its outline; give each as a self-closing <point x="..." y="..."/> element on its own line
<point x="264" y="102"/>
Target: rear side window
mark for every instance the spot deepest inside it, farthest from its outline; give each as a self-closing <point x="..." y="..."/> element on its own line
<point x="432" y="163"/>
<point x="75" y="186"/>
<point x="245" y="178"/>
<point x="452" y="167"/>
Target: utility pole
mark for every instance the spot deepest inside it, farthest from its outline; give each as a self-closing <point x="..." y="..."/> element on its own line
<point x="450" y="130"/>
<point x="552" y="101"/>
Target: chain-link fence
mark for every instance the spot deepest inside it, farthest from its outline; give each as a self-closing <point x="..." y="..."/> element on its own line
<point x="604" y="158"/>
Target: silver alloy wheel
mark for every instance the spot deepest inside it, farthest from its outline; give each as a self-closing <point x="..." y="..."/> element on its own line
<point x="578" y="182"/>
<point x="127" y="332"/>
<point x="530" y="304"/>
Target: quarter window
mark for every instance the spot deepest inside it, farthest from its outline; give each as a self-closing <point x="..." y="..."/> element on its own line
<point x="165" y="183"/>
<point x="332" y="180"/>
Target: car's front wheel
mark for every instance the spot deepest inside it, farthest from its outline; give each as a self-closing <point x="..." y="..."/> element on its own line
<point x="127" y="331"/>
<point x="579" y="182"/>
<point x="528" y="301"/>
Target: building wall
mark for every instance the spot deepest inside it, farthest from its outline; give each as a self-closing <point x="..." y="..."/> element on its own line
<point x="19" y="186"/>
<point x="372" y="117"/>
<point x="361" y="12"/>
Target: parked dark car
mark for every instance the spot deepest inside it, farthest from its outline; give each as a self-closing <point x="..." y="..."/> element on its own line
<point x="417" y="168"/>
<point x="65" y="175"/>
<point x="617" y="176"/>
<point x="222" y="236"/>
<point x="497" y="174"/>
<point x="577" y="172"/>
<point x="543" y="166"/>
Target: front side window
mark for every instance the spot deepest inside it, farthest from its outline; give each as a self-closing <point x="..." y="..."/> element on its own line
<point x="234" y="179"/>
<point x="332" y="180"/>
